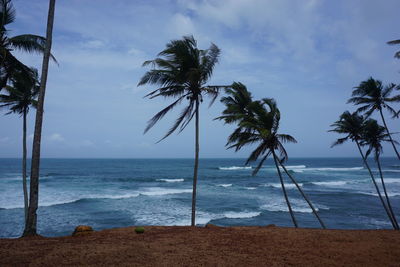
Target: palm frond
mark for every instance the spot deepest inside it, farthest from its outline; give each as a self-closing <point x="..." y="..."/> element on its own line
<point x="30" y="43"/>
<point x="7" y="13"/>
<point x="161" y="114"/>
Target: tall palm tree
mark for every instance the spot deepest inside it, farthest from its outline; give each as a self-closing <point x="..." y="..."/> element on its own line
<point x="258" y="123"/>
<point x="21" y="95"/>
<point x="395" y="42"/>
<point x="373" y="136"/>
<point x="181" y="71"/>
<point x="352" y="125"/>
<point x="373" y="96"/>
<point x="26" y="42"/>
<point x="30" y="225"/>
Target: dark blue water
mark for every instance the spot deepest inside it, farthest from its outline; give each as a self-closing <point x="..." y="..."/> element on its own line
<point x="106" y="193"/>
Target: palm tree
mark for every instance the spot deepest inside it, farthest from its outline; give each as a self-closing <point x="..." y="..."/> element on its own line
<point x="373" y="96"/>
<point x="259" y="125"/>
<point x="181" y="71"/>
<point x="352" y="125"/>
<point x="21" y="96"/>
<point x="395" y="42"/>
<point x="26" y="42"/>
<point x="30" y="225"/>
<point x="373" y="136"/>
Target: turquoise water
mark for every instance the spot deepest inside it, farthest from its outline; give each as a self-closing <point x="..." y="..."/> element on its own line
<point x="107" y="193"/>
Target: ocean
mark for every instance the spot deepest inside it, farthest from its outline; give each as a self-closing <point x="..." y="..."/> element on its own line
<point x="108" y="193"/>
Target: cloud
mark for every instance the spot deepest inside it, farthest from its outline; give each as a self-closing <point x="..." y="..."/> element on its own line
<point x="56" y="137"/>
<point x="93" y="44"/>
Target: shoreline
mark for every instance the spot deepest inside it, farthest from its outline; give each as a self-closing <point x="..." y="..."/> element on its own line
<point x="210" y="245"/>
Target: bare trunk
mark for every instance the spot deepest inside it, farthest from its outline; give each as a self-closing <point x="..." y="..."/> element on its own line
<point x="196" y="166"/>
<point x="386" y="195"/>
<point x="304" y="196"/>
<point x="390" y="136"/>
<point x="284" y="191"/>
<point x="376" y="186"/>
<point x="30" y="225"/>
<point x="24" y="187"/>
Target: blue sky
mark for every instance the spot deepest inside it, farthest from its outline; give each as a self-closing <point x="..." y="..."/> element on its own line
<point x="306" y="54"/>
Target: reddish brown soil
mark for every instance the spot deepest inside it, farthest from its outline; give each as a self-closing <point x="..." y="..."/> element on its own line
<point x="215" y="246"/>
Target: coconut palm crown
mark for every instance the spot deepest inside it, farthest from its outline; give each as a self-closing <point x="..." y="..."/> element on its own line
<point x="182" y="71"/>
<point x="349" y="124"/>
<point x="26" y="42"/>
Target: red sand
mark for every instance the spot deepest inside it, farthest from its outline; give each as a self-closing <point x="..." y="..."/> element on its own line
<point x="215" y="246"/>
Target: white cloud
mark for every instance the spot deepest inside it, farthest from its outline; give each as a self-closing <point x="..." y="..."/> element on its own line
<point x="56" y="137"/>
<point x="94" y="44"/>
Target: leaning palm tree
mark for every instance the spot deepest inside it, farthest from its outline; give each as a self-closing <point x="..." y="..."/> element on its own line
<point x="21" y="95"/>
<point x="352" y="126"/>
<point x="26" y="42"/>
<point x="395" y="42"/>
<point x="373" y="96"/>
<point x="181" y="71"/>
<point x="31" y="222"/>
<point x="259" y="125"/>
<point x="373" y="136"/>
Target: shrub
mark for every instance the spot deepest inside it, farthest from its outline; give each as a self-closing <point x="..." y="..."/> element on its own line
<point x="139" y="230"/>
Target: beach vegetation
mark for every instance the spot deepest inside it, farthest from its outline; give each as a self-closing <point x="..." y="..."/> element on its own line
<point x="21" y="94"/>
<point x="373" y="137"/>
<point x="26" y="42"/>
<point x="353" y="126"/>
<point x="258" y="124"/>
<point x="181" y="71"/>
<point x="372" y="96"/>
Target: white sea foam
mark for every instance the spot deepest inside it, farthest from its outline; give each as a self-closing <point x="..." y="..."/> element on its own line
<point x="233" y="168"/>
<point x="158" y="191"/>
<point x="251" y="188"/>
<point x="391" y="180"/>
<point x="225" y="185"/>
<point x="240" y="215"/>
<point x="283" y="207"/>
<point x="292" y="167"/>
<point x="170" y="180"/>
<point x="330" y="183"/>
<point x="278" y="185"/>
<point x="335" y="169"/>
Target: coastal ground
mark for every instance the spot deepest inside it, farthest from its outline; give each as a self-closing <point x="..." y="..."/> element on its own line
<point x="215" y="246"/>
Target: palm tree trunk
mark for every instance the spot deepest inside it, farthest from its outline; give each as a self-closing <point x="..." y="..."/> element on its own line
<point x="304" y="196"/>
<point x="24" y="187"/>
<point x="30" y="225"/>
<point x="284" y="191"/>
<point x="376" y="186"/>
<point x="390" y="137"/>
<point x="386" y="194"/>
<point x="196" y="165"/>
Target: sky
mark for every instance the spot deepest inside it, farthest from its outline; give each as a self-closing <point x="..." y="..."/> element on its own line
<point x="307" y="54"/>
